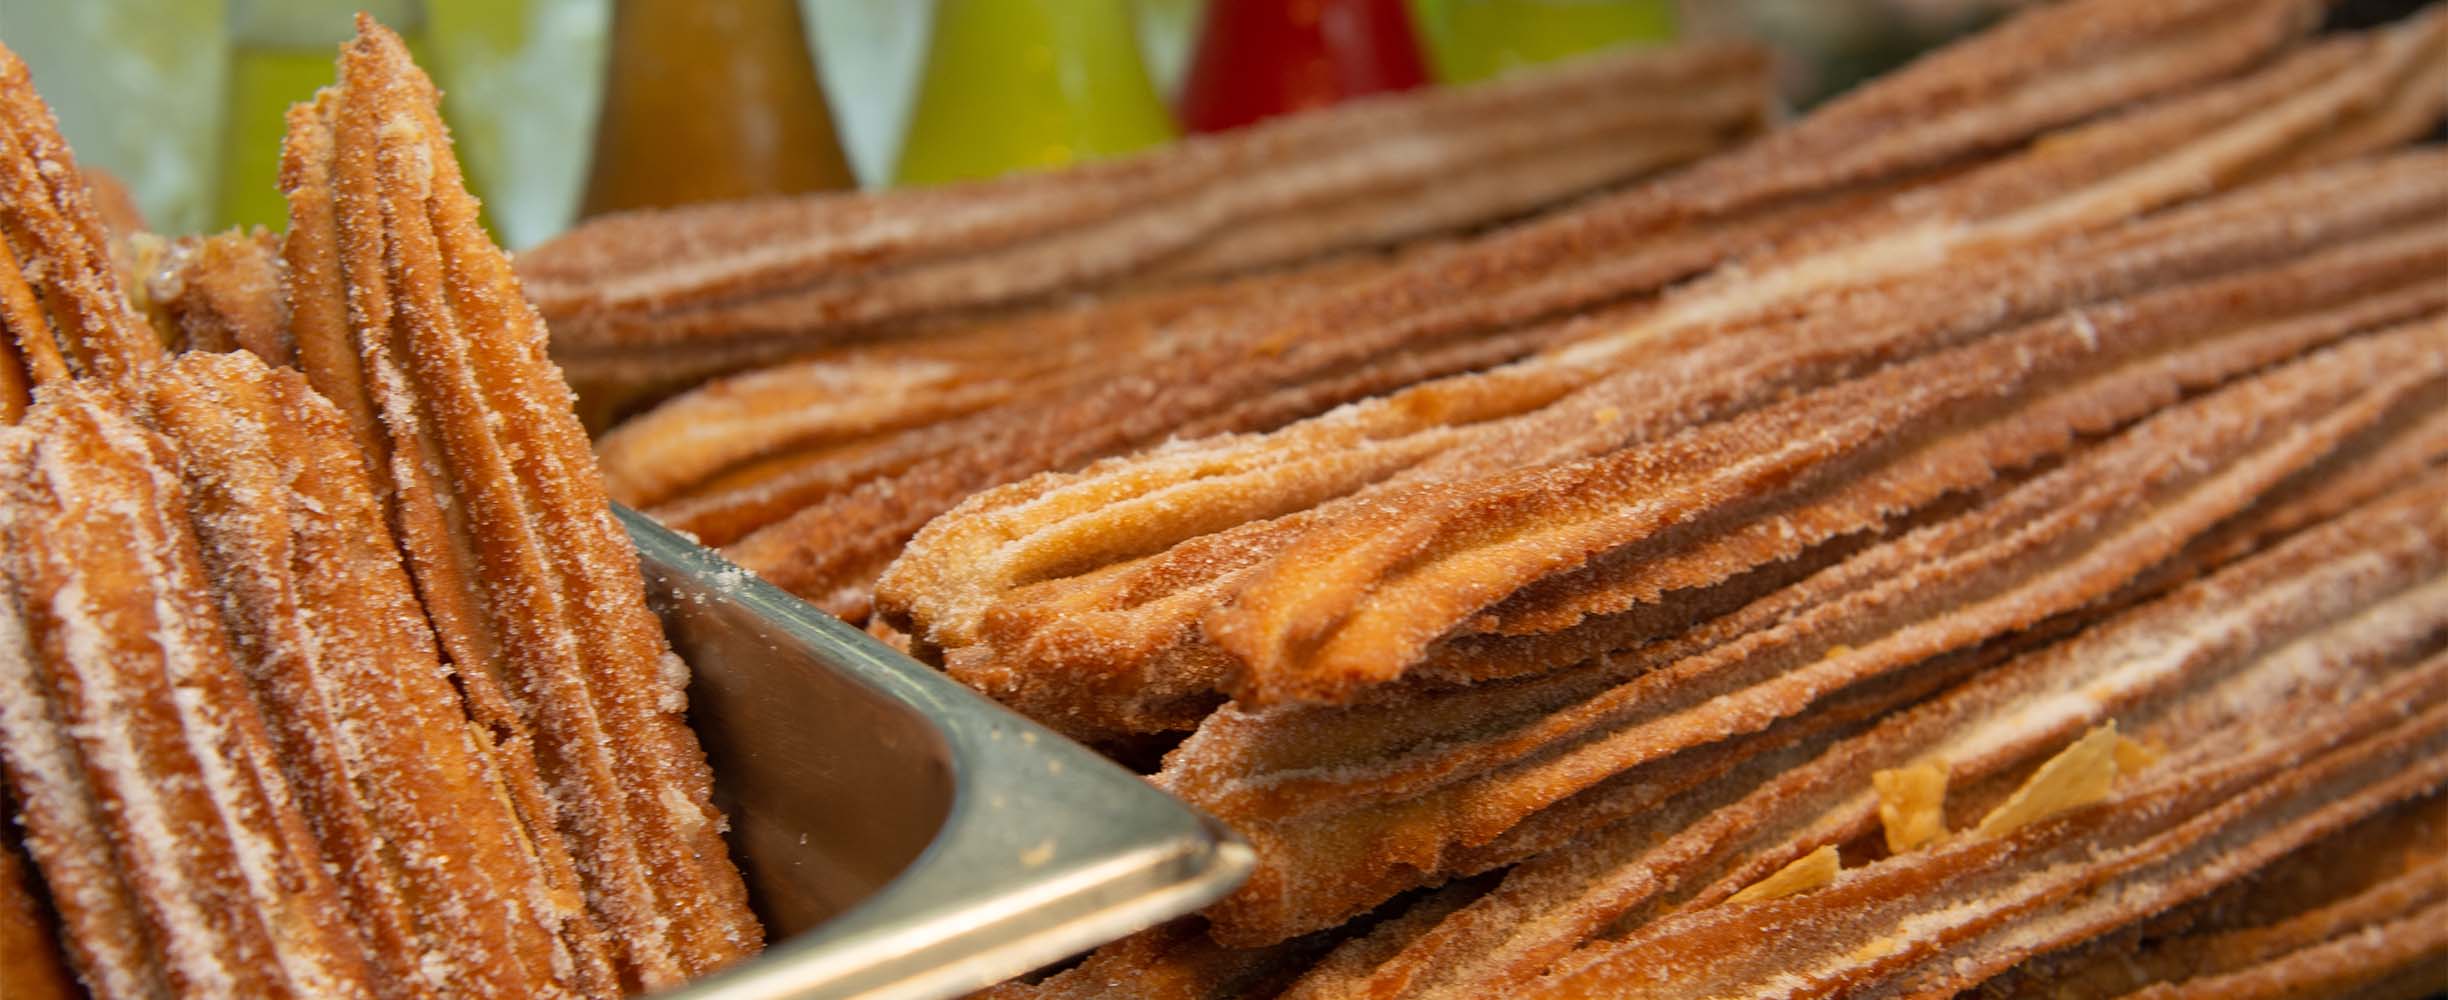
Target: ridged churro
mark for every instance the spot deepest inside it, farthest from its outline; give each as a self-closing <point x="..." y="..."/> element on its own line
<point x="153" y="800"/>
<point x="1303" y="783"/>
<point x="2324" y="919"/>
<point x="1339" y="553"/>
<point x="390" y="773"/>
<point x="63" y="311"/>
<point x="737" y="284"/>
<point x="1482" y="302"/>
<point x="408" y="316"/>
<point x="748" y="452"/>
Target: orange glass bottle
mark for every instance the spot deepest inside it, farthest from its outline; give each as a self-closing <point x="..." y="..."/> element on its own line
<point x="710" y="100"/>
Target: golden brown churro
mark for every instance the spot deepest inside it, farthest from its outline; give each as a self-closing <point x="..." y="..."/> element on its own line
<point x="1282" y="356"/>
<point x="389" y="772"/>
<point x="2307" y="923"/>
<point x="755" y="282"/>
<point x="745" y="452"/>
<point x="244" y="763"/>
<point x="440" y="889"/>
<point x="1948" y="918"/>
<point x="1303" y="782"/>
<point x="2225" y="624"/>
<point x="408" y="316"/>
<point x="172" y="842"/>
<point x="1340" y="553"/>
<point x="62" y="309"/>
<point x="726" y="458"/>
<point x="2214" y="671"/>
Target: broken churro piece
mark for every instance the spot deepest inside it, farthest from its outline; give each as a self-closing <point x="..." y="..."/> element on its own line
<point x="221" y="293"/>
<point x="1806" y="873"/>
<point x="2078" y="776"/>
<point x="1912" y="804"/>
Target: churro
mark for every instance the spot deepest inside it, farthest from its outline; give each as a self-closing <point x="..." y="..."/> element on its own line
<point x="1304" y="782"/>
<point x="2324" y="919"/>
<point x="408" y="317"/>
<point x="63" y="311"/>
<point x="172" y="842"/>
<point x="2076" y="503"/>
<point x="2351" y="601"/>
<point x="1286" y="356"/>
<point x="388" y="770"/>
<point x="734" y="284"/>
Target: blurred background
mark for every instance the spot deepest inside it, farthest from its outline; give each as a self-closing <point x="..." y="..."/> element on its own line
<point x="563" y="108"/>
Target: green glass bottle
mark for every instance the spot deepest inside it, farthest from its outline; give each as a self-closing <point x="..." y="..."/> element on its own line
<point x="281" y="52"/>
<point x="1028" y="84"/>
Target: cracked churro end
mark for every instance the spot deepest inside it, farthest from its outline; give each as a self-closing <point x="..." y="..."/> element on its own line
<point x="1806" y="873"/>
<point x="1912" y="804"/>
<point x="2078" y="776"/>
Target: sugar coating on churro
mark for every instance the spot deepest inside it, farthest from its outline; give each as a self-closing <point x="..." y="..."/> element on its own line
<point x="2135" y="410"/>
<point x="407" y="315"/>
<point x="264" y="744"/>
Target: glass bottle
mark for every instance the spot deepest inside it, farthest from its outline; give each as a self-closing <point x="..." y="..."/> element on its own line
<point x="710" y="100"/>
<point x="1260" y="58"/>
<point x="1028" y="84"/>
<point x="1477" y="39"/>
<point x="522" y="82"/>
<point x="281" y="52"/>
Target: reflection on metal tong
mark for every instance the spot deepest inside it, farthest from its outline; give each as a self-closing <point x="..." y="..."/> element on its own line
<point x="905" y="838"/>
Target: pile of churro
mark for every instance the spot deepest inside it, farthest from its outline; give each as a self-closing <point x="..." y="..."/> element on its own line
<point x="1987" y="536"/>
<point x="1984" y="521"/>
<point x="324" y="668"/>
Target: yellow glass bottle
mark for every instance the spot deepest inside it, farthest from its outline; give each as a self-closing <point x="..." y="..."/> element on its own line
<point x="1476" y="39"/>
<point x="1028" y="84"/>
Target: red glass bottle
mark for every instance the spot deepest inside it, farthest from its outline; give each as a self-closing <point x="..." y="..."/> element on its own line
<point x="1260" y="58"/>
